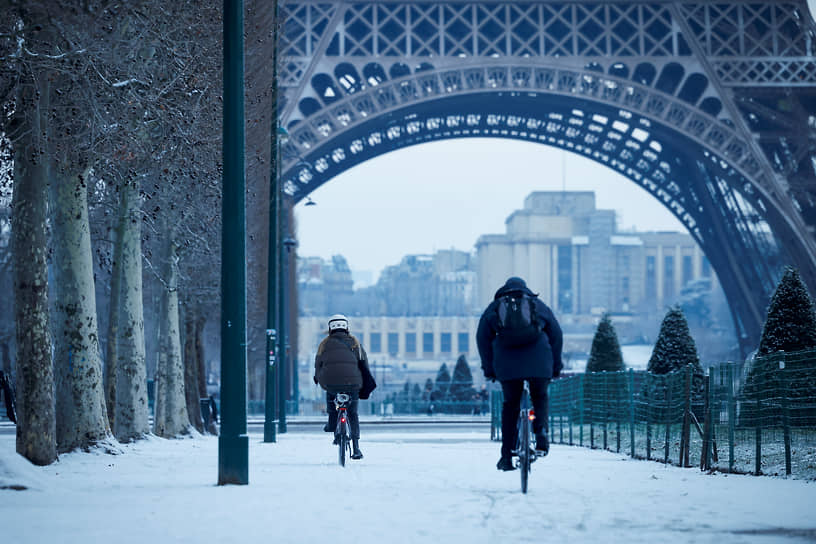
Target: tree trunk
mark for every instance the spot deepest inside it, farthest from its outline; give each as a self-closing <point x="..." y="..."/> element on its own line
<point x="81" y="414"/>
<point x="36" y="432"/>
<point x="171" y="407"/>
<point x="131" y="414"/>
<point x="113" y="316"/>
<point x="4" y="347"/>
<point x="191" y="373"/>
<point x="200" y="323"/>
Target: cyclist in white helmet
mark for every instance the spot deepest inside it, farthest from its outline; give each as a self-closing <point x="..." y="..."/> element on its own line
<point x="341" y="365"/>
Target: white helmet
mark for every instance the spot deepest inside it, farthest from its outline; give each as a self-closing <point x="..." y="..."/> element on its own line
<point x="338" y="322"/>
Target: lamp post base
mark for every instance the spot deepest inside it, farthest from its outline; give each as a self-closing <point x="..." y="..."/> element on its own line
<point x="233" y="460"/>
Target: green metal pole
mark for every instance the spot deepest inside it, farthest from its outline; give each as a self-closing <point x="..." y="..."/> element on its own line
<point x="273" y="354"/>
<point x="233" y="442"/>
<point x="283" y="320"/>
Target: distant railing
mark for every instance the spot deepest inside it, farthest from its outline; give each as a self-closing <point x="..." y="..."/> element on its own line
<point x="761" y="420"/>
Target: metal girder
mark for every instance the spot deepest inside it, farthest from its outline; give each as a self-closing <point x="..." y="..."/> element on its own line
<point x="651" y="80"/>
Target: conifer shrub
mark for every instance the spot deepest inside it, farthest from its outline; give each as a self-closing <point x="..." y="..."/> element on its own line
<point x="790" y="327"/>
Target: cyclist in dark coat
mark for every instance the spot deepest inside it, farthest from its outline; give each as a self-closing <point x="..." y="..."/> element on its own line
<point x="537" y="362"/>
<point x="337" y="370"/>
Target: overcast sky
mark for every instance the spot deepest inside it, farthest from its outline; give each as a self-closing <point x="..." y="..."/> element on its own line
<point x="446" y="194"/>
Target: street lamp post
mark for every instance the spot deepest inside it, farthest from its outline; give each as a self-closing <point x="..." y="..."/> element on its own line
<point x="233" y="442"/>
<point x="273" y="361"/>
<point x="283" y="323"/>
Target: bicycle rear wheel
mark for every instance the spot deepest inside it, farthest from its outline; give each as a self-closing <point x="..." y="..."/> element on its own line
<point x="343" y="445"/>
<point x="524" y="451"/>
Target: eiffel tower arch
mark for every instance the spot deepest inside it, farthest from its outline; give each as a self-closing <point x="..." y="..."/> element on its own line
<point x="709" y="106"/>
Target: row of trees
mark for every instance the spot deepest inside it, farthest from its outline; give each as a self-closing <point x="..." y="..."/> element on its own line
<point x="790" y="327"/>
<point x="446" y="393"/>
<point x="110" y="183"/>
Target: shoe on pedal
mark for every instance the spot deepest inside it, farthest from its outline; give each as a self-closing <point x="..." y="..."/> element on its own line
<point x="355" y="452"/>
<point x="505" y="464"/>
<point x="542" y="444"/>
<point x="336" y="439"/>
<point x="327" y="429"/>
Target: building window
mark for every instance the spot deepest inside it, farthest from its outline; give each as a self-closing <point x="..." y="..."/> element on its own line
<point x="625" y="292"/>
<point x="463" y="340"/>
<point x="376" y="344"/>
<point x="445" y="342"/>
<point x="651" y="278"/>
<point x="668" y="278"/>
<point x="688" y="272"/>
<point x="565" y="279"/>
<point x="427" y="342"/>
<point x="706" y="267"/>
<point x="410" y="342"/>
<point x="393" y="343"/>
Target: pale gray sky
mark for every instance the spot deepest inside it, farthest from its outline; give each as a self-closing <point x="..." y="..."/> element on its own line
<point x="446" y="194"/>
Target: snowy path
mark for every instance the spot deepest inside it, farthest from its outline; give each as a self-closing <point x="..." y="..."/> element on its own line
<point x="411" y="487"/>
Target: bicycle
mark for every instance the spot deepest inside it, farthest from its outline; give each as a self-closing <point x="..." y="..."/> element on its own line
<point x="342" y="433"/>
<point x="525" y="452"/>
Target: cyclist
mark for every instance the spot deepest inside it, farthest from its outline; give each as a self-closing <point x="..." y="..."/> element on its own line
<point x="511" y="354"/>
<point x="340" y="365"/>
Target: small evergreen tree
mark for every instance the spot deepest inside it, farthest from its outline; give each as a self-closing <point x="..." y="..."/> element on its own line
<point x="791" y="321"/>
<point x="675" y="347"/>
<point x="442" y="384"/>
<point x="605" y="354"/>
<point x="428" y="390"/>
<point x="462" y="385"/>
<point x="790" y="326"/>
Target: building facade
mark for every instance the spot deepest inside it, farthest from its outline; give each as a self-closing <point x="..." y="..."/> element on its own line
<point x="572" y="254"/>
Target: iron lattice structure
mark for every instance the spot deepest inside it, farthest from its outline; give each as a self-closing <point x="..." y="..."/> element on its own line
<point x="709" y="106"/>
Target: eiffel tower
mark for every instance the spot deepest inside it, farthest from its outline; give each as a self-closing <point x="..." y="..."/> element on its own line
<point x="709" y="106"/>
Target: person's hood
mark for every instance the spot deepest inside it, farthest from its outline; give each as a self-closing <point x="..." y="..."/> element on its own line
<point x="514" y="285"/>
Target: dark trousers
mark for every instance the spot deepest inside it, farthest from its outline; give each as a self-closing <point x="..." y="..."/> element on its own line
<point x="351" y="410"/>
<point x="512" y="390"/>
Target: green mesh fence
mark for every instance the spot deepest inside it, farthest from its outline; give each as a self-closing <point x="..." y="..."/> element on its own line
<point x="758" y="419"/>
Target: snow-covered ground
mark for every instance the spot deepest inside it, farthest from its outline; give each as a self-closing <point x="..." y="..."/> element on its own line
<point x="412" y="486"/>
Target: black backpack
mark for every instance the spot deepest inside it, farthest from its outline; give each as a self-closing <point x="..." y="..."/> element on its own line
<point x="518" y="323"/>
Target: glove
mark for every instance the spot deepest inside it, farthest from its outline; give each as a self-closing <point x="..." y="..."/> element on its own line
<point x="315" y="379"/>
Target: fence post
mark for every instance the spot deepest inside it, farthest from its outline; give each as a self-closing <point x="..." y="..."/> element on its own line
<point x="758" y="460"/>
<point x="685" y="439"/>
<point x="605" y="411"/>
<point x="732" y="414"/>
<point x="581" y="409"/>
<point x="668" y="418"/>
<point x="705" y="460"/>
<point x="593" y="387"/>
<point x="618" y="376"/>
<point x="632" y="412"/>
<point x="785" y="392"/>
<point x="649" y="415"/>
<point x="572" y="411"/>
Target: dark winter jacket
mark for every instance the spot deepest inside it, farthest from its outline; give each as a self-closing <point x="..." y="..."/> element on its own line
<point x="540" y="359"/>
<point x="336" y="367"/>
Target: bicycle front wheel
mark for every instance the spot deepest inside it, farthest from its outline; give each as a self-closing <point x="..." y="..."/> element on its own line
<point x="524" y="452"/>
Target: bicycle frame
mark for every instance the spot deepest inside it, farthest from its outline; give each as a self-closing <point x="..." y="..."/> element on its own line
<point x="525" y="452"/>
<point x="343" y="429"/>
